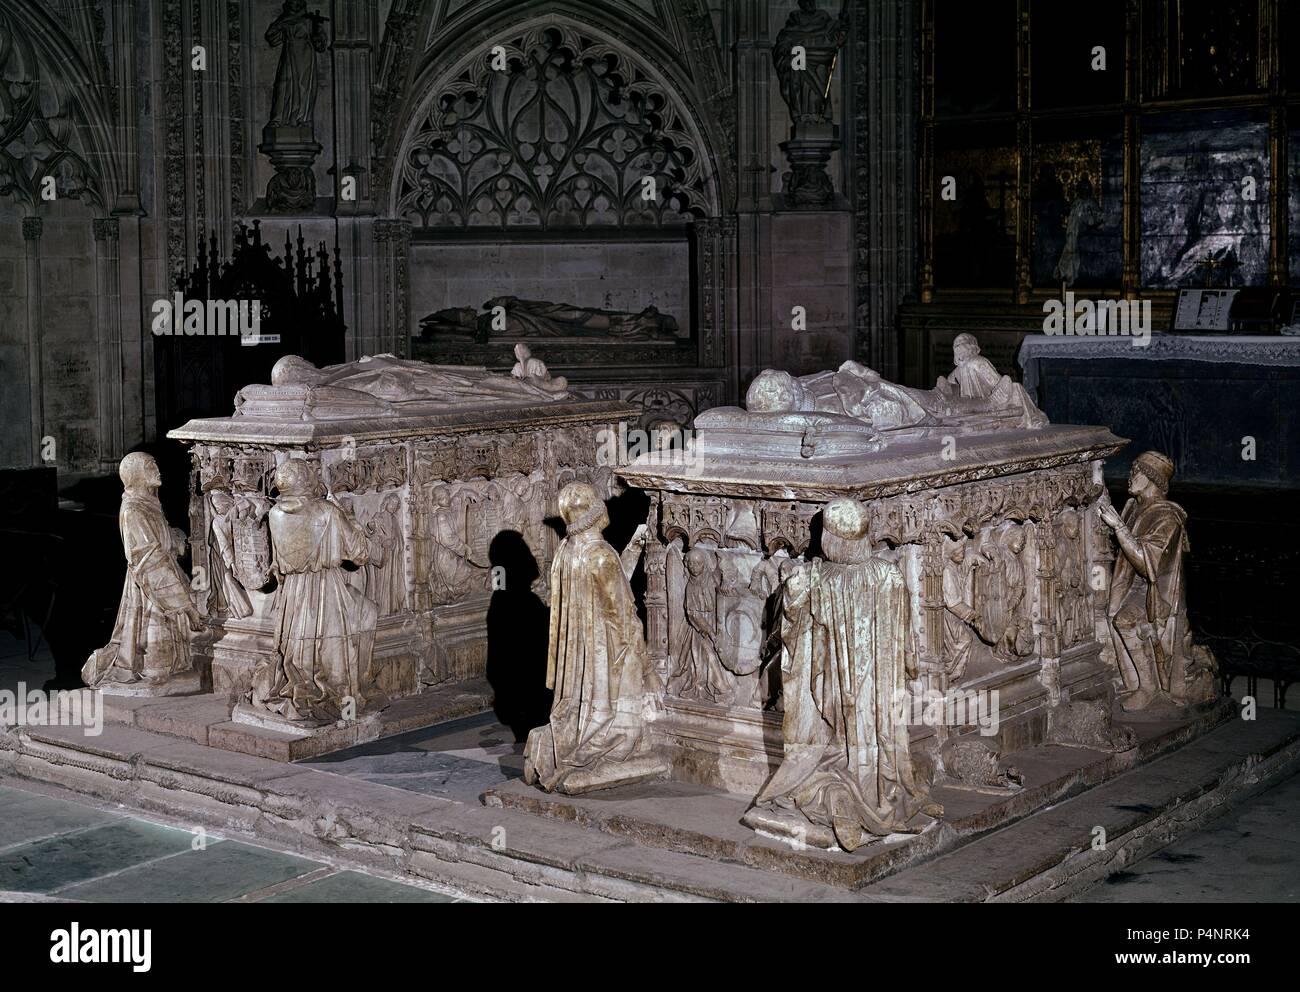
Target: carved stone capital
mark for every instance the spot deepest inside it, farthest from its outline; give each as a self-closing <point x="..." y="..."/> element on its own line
<point x="105" y="228"/>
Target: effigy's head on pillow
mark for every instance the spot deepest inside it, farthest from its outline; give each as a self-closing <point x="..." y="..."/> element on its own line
<point x="775" y="392"/>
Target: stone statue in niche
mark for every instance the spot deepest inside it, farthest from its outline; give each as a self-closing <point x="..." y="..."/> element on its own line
<point x="805" y="55"/>
<point x="806" y="82"/>
<point x="847" y="656"/>
<point x="383" y="386"/>
<point x="1003" y="592"/>
<point x="961" y="621"/>
<point x="540" y="319"/>
<point x="385" y="572"/>
<point x="452" y="575"/>
<point x="299" y="35"/>
<point x="1076" y="596"/>
<point x="151" y="641"/>
<point x="289" y="138"/>
<point x="228" y="515"/>
<point x="1147" y="610"/>
<point x="597" y="664"/>
<point x="700" y="674"/>
<point x="324" y="626"/>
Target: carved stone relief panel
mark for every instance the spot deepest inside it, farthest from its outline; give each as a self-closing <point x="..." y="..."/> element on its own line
<point x="995" y="575"/>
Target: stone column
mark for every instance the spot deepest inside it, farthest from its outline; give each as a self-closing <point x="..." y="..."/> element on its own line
<point x="930" y="647"/>
<point x="656" y="593"/>
<point x="392" y="260"/>
<point x="753" y="71"/>
<point x="355" y="31"/>
<point x="32" y="227"/>
<point x="1046" y="621"/>
<point x="124" y="24"/>
<point x="109" y="332"/>
<point x="883" y="121"/>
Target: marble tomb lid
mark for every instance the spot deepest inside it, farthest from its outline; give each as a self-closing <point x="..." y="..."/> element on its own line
<point x="386" y="396"/>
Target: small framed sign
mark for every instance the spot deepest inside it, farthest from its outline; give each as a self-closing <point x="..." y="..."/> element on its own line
<point x="1204" y="310"/>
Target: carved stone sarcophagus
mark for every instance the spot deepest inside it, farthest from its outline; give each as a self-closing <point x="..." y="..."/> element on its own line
<point x="433" y="462"/>
<point x="989" y="513"/>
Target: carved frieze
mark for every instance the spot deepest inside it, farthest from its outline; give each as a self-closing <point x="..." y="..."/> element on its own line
<point x="370" y="471"/>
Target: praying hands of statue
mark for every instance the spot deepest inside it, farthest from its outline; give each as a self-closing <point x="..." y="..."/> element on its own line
<point x="1106" y="509"/>
<point x="635" y="549"/>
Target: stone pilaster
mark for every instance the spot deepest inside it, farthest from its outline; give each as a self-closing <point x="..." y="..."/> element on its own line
<point x="355" y="34"/>
<point x="392" y="262"/>
<point x="109" y="334"/>
<point x="881" y="130"/>
<point x="32" y="229"/>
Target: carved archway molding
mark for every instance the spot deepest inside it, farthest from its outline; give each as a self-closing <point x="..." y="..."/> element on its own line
<point x="53" y="120"/>
<point x="560" y="140"/>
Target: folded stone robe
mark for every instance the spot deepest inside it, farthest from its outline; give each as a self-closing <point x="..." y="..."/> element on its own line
<point x="151" y="639"/>
<point x="1155" y="591"/>
<point x="846" y="766"/>
<point x="325" y="627"/>
<point x="597" y="666"/>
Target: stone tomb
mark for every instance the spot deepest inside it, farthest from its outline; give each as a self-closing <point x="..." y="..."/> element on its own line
<point x="994" y="526"/>
<point x="434" y="462"/>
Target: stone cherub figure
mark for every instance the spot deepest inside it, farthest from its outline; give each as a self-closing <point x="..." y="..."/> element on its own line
<point x="324" y="625"/>
<point x="805" y="83"/>
<point x="846" y="659"/>
<point x="156" y="617"/>
<point x="1147" y="610"/>
<point x="299" y="35"/>
<point x="597" y="664"/>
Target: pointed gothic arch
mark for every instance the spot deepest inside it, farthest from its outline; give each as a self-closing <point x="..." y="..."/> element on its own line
<point x="563" y="137"/>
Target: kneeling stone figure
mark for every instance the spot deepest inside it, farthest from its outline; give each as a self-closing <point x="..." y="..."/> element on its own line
<point x="846" y="658"/>
<point x="598" y="734"/>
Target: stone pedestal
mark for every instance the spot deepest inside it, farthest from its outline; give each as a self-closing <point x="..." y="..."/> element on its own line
<point x="184" y="684"/>
<point x="292" y="150"/>
<point x="807" y="184"/>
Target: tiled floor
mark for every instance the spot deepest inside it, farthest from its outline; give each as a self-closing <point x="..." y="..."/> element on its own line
<point x="62" y="849"/>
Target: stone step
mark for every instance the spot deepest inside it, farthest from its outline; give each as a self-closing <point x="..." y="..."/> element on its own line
<point x="514" y="854"/>
<point x="691" y="819"/>
<point x="494" y="853"/>
<point x="1065" y="848"/>
<point x="206" y="719"/>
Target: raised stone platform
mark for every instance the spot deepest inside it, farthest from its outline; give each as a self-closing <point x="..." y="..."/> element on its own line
<point x="511" y="854"/>
<point x="693" y="819"/>
<point x="208" y="720"/>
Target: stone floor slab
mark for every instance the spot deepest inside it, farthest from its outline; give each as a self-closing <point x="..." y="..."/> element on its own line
<point x="354" y="887"/>
<point x="222" y="871"/>
<point x="48" y="865"/>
